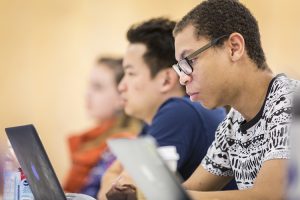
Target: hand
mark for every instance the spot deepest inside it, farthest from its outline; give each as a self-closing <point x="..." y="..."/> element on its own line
<point x="120" y="192"/>
<point x="124" y="179"/>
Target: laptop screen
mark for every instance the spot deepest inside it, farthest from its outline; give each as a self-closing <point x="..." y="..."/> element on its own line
<point x="35" y="163"/>
<point x="142" y="161"/>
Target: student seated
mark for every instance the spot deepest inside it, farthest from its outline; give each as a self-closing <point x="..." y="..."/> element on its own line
<point x="294" y="164"/>
<point x="221" y="62"/>
<point x="89" y="153"/>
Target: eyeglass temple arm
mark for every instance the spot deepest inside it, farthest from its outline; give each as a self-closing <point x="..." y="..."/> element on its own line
<point x="213" y="42"/>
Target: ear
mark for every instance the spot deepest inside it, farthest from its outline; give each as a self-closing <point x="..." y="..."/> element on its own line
<point x="236" y="44"/>
<point x="168" y="80"/>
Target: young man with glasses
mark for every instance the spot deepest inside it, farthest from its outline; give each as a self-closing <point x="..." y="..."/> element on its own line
<point x="221" y="62"/>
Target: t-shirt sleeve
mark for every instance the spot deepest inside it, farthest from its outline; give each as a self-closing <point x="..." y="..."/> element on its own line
<point x="278" y="130"/>
<point x="176" y="124"/>
<point x="217" y="160"/>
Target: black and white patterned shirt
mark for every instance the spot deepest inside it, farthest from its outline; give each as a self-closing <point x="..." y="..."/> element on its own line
<point x="241" y="147"/>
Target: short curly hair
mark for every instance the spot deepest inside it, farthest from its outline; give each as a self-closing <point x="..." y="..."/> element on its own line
<point x="157" y="36"/>
<point x="215" y="18"/>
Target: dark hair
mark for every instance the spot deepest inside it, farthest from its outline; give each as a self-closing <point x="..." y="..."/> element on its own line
<point x="214" y="18"/>
<point x="115" y="64"/>
<point x="157" y="36"/>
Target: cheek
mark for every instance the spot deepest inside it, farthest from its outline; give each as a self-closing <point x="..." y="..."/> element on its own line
<point x="139" y="91"/>
<point x="91" y="100"/>
<point x="200" y="78"/>
<point x="136" y="87"/>
<point x="138" y="98"/>
<point x="108" y="103"/>
<point x="109" y="98"/>
<point x="208" y="74"/>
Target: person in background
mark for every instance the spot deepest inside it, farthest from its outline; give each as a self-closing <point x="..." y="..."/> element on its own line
<point x="293" y="186"/>
<point x="2" y="152"/>
<point x="90" y="156"/>
<point x="221" y="62"/>
<point x="151" y="92"/>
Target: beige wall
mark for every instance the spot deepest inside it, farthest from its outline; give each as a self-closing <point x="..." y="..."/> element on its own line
<point x="48" y="47"/>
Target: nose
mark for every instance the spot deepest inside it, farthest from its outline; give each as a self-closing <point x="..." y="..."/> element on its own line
<point x="184" y="79"/>
<point x="122" y="86"/>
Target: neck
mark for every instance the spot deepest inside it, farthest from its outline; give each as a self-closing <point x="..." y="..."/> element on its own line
<point x="104" y="120"/>
<point x="251" y="92"/>
<point x="164" y="97"/>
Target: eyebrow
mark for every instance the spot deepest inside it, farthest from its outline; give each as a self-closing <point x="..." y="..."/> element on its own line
<point x="127" y="67"/>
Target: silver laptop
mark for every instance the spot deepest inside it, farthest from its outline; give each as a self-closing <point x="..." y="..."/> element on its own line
<point x="36" y="165"/>
<point x="143" y="163"/>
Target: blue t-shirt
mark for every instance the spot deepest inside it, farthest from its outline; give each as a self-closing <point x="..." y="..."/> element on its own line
<point x="189" y="127"/>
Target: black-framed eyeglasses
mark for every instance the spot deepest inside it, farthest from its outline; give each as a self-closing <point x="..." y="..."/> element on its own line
<point x="184" y="65"/>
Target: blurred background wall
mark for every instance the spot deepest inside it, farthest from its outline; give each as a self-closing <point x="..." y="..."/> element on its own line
<point x="49" y="46"/>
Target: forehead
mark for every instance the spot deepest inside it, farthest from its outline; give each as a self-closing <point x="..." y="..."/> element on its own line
<point x="186" y="42"/>
<point x="101" y="68"/>
<point x="134" y="55"/>
<point x="101" y="72"/>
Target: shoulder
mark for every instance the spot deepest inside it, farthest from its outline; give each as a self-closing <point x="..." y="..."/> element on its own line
<point x="282" y="88"/>
<point x="281" y="82"/>
<point x="180" y="106"/>
<point x="188" y="108"/>
<point x="175" y="114"/>
<point x="280" y="98"/>
<point x="178" y="102"/>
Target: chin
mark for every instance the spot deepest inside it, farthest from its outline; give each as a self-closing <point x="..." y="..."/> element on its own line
<point x="130" y="112"/>
<point x="208" y="105"/>
<point x="127" y="111"/>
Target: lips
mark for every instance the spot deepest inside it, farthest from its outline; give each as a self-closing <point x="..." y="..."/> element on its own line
<point x="193" y="95"/>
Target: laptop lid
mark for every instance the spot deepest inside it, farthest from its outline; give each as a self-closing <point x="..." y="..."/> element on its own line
<point x="35" y="163"/>
<point x="142" y="161"/>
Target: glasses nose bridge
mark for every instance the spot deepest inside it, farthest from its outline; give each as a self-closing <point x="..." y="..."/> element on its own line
<point x="183" y="68"/>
